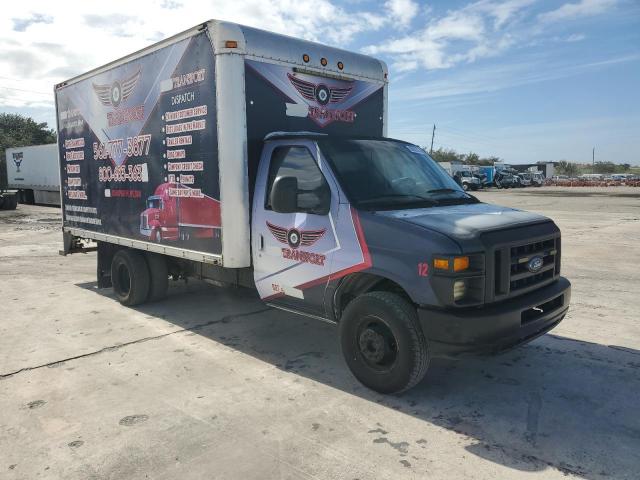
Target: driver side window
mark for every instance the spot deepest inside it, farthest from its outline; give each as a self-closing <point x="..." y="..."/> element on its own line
<point x="298" y="162"/>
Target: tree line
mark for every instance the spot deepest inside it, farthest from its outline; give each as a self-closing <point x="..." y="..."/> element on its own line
<point x="450" y="155"/>
<point x="563" y="167"/>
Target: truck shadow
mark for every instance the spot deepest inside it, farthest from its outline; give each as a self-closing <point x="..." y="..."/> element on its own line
<point x="556" y="403"/>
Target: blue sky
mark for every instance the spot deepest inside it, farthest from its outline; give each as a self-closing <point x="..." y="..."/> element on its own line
<point x="525" y="80"/>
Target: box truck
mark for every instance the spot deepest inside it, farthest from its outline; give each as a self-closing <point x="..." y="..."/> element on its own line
<point x="34" y="172"/>
<point x="258" y="160"/>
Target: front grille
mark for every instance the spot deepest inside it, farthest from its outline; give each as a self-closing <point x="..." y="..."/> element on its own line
<point x="144" y="222"/>
<point x="511" y="273"/>
<point x="520" y="276"/>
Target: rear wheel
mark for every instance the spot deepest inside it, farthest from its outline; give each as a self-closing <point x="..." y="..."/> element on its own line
<point x="382" y="342"/>
<point x="130" y="277"/>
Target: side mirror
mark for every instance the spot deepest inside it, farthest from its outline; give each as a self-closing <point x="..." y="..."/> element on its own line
<point x="284" y="195"/>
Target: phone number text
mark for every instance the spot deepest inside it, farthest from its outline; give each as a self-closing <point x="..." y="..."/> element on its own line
<point x="117" y="148"/>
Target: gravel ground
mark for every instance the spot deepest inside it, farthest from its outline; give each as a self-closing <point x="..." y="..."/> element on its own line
<point x="212" y="384"/>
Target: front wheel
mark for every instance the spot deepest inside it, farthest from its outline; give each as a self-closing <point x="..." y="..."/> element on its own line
<point x="382" y="342"/>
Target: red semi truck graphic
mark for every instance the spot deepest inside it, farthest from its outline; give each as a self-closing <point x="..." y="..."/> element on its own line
<point x="172" y="217"/>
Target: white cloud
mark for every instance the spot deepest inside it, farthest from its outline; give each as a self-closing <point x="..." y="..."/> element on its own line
<point x="479" y="30"/>
<point x="492" y="78"/>
<point x="482" y="29"/>
<point x="576" y="37"/>
<point x="583" y="8"/>
<point x="502" y="12"/>
<point x="402" y="11"/>
<point x="43" y="44"/>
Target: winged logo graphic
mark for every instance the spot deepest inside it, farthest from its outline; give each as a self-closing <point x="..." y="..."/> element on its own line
<point x="17" y="159"/>
<point x="319" y="92"/>
<point x="117" y="92"/>
<point x="294" y="237"/>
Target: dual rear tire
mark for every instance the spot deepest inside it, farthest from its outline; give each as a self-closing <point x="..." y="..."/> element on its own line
<point x="138" y="278"/>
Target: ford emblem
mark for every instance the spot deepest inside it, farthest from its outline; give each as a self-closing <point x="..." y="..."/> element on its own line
<point x="535" y="264"/>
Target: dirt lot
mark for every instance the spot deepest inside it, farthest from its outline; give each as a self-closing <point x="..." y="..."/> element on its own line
<point x="211" y="384"/>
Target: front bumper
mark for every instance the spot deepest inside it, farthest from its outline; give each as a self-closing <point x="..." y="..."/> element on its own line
<point x="498" y="327"/>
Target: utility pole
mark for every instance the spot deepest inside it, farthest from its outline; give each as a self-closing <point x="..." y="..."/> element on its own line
<point x="593" y="160"/>
<point x="433" y="134"/>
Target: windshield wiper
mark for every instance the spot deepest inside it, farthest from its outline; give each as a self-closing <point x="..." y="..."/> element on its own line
<point x="419" y="198"/>
<point x="396" y="199"/>
<point x="444" y="190"/>
<point x="466" y="198"/>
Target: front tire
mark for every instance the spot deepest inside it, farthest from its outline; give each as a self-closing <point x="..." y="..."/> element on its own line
<point x="130" y="277"/>
<point x="382" y="342"/>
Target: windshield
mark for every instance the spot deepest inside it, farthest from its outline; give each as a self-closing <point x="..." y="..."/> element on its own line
<point x="387" y="174"/>
<point x="154" y="203"/>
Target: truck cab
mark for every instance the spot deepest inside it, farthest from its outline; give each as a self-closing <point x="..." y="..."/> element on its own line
<point x="351" y="229"/>
<point x="537" y="179"/>
<point x="467" y="180"/>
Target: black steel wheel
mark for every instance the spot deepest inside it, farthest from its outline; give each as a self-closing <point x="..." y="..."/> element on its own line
<point x="130" y="277"/>
<point x="383" y="343"/>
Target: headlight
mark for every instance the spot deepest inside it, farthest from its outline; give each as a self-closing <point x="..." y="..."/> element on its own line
<point x="459" y="290"/>
<point x="459" y="279"/>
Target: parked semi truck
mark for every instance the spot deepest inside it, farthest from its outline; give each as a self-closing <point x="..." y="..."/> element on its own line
<point x="33" y="172"/>
<point x="276" y="150"/>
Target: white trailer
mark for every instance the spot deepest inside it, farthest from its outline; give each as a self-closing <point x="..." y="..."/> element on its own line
<point x="33" y="171"/>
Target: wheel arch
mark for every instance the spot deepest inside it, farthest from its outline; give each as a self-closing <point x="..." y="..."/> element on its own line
<point x="357" y="284"/>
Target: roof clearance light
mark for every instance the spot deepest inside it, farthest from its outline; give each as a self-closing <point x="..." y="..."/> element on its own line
<point x="340" y="65"/>
<point x="305" y="58"/>
<point x="230" y="44"/>
<point x="323" y="61"/>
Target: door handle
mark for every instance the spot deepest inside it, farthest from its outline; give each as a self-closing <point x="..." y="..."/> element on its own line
<point x="261" y="242"/>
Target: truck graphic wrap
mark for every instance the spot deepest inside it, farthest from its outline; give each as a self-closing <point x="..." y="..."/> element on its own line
<point x="297" y="101"/>
<point x="138" y="148"/>
<point x="305" y="101"/>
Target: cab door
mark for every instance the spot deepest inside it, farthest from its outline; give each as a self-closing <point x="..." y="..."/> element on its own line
<point x="293" y="244"/>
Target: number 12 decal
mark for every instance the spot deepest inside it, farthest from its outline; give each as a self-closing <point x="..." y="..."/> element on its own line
<point x="423" y="269"/>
